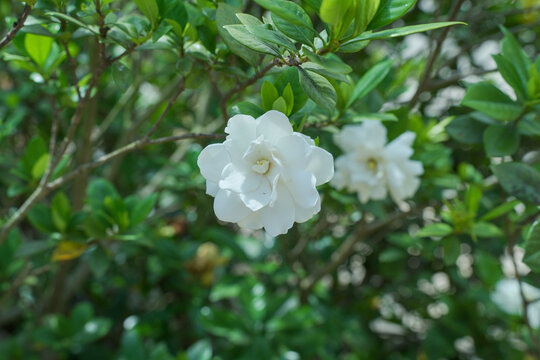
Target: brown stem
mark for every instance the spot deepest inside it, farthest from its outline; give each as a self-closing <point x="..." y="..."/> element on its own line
<point x="252" y="80"/>
<point x="346" y="249"/>
<point x="181" y="88"/>
<point x="16" y="26"/>
<point x="435" y="54"/>
<point x="42" y="191"/>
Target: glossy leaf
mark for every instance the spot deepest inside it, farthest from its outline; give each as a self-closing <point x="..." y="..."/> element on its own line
<point x="520" y="180"/>
<point x="489" y="100"/>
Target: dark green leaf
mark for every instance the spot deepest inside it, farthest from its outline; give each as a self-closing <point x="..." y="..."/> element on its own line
<point x="288" y="10"/>
<point x="318" y="89"/>
<point x="226" y="15"/>
<point x="149" y="8"/>
<point x="532" y="247"/>
<point x="501" y="140"/>
<point x="520" y="180"/>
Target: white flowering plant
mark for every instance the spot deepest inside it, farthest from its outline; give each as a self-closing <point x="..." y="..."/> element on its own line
<point x="269" y="179"/>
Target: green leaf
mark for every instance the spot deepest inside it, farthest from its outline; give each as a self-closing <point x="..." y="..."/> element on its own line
<point x="38" y="47"/>
<point x="370" y="80"/>
<point x="295" y="32"/>
<point x="515" y="55"/>
<point x="402" y="31"/>
<point x="263" y="33"/>
<point x="488" y="267"/>
<point x="318" y="89"/>
<point x="437" y="229"/>
<point x="334" y="13"/>
<point x="288" y="96"/>
<point x="451" y="249"/>
<point x="330" y="62"/>
<point x="500" y="210"/>
<point x="389" y="11"/>
<point x="61" y="211"/>
<point x="365" y="11"/>
<point x="70" y="19"/>
<point x="291" y="77"/>
<point x="243" y="35"/>
<point x="288" y="10"/>
<point x="131" y="346"/>
<point x="149" y="8"/>
<point x="510" y="74"/>
<point x="269" y="94"/>
<point x="98" y="261"/>
<point x="486" y="98"/>
<point x="201" y="350"/>
<point x="226" y="15"/>
<point x="520" y="180"/>
<point x="324" y="72"/>
<point x="501" y="140"/>
<point x="532" y="247"/>
<point x="141" y="209"/>
<point x="280" y="105"/>
<point x="97" y="192"/>
<point x="40" y="166"/>
<point x="486" y="230"/>
<point x="466" y="130"/>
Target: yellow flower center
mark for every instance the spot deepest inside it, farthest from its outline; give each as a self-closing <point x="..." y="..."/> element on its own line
<point x="372" y="164"/>
<point x="261" y="166"/>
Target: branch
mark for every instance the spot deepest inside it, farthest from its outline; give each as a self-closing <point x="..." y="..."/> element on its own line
<point x="435" y="54"/>
<point x="17" y="25"/>
<point x="252" y="80"/>
<point x="181" y="88"/>
<point x="346" y="249"/>
<point x="42" y="190"/>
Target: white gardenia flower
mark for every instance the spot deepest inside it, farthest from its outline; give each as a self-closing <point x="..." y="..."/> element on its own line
<point x="264" y="174"/>
<point x="371" y="167"/>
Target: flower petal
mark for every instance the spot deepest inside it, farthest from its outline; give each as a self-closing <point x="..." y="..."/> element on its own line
<point x="228" y="207"/>
<point x="259" y="198"/>
<point x="211" y="188"/>
<point x="279" y="218"/>
<point x="293" y="150"/>
<point x="321" y="164"/>
<point x="239" y="181"/>
<point x="304" y="214"/>
<point x="400" y="147"/>
<point x="251" y="222"/>
<point x="212" y="160"/>
<point x="241" y="130"/>
<point x="374" y="134"/>
<point x="273" y="125"/>
<point x="301" y="185"/>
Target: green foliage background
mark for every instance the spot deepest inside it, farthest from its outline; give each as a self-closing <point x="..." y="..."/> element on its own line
<point x="109" y="246"/>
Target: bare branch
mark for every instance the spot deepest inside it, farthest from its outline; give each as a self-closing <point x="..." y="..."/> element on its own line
<point x="16" y="26"/>
<point x="181" y="88"/>
<point x="42" y="190"/>
<point x="435" y="54"/>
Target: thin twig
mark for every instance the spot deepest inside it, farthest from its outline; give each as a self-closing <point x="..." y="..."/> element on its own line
<point x="17" y="25"/>
<point x="252" y="80"/>
<point x="181" y="88"/>
<point x="346" y="249"/>
<point x="71" y="63"/>
<point x="42" y="191"/>
<point x="435" y="54"/>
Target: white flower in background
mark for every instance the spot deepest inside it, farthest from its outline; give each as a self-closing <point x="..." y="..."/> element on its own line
<point x="264" y="174"/>
<point x="507" y="296"/>
<point x="371" y="167"/>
